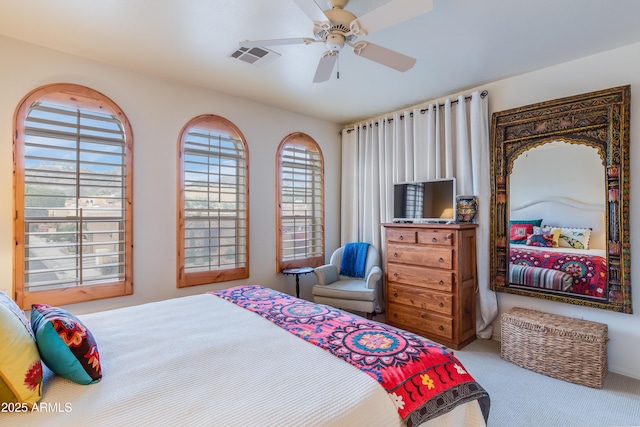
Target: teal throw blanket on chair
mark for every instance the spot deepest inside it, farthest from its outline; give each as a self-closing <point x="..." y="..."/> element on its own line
<point x="354" y="259"/>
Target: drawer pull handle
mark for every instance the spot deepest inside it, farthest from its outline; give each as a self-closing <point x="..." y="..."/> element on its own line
<point x="395" y="274"/>
<point x="395" y="315"/>
<point x="440" y="259"/>
<point x="395" y="255"/>
<point x="441" y="304"/>
<point x="449" y="236"/>
<point x="434" y="240"/>
<point x="441" y="283"/>
<point x="401" y="238"/>
<point x="441" y="327"/>
<point x="395" y="294"/>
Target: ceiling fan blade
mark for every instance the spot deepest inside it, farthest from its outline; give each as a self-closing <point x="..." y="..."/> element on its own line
<point x="392" y="13"/>
<point x="384" y="56"/>
<point x="312" y="10"/>
<point x="325" y="67"/>
<point x="275" y="42"/>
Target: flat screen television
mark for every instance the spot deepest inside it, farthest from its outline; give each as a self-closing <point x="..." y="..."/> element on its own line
<point x="425" y="202"/>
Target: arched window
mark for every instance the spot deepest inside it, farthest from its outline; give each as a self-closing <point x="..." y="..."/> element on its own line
<point x="213" y="202"/>
<point x="300" y="213"/>
<point x="73" y="197"/>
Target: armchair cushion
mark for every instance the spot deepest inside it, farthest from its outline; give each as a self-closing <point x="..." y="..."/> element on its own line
<point x="326" y="274"/>
<point x="353" y="289"/>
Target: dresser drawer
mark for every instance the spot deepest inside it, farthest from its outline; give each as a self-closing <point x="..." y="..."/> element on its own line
<point x="418" y="320"/>
<point x="420" y="255"/>
<point x="435" y="237"/>
<point x="421" y="277"/>
<point x="420" y="298"/>
<point x="401" y="235"/>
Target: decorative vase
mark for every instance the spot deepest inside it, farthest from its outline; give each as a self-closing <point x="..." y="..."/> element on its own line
<point x="466" y="209"/>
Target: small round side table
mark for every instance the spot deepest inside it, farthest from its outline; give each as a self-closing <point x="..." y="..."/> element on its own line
<point x="298" y="272"/>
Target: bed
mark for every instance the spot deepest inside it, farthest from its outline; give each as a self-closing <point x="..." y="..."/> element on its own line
<point x="246" y="356"/>
<point x="578" y="266"/>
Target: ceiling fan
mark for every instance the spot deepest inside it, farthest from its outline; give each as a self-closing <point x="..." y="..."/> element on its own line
<point x="337" y="27"/>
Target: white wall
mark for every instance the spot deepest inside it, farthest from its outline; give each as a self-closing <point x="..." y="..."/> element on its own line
<point x="157" y="110"/>
<point x="610" y="69"/>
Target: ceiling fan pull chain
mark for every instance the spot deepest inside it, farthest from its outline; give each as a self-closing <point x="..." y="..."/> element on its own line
<point x="338" y="69"/>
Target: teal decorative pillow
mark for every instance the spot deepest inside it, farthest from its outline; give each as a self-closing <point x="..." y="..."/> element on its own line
<point x="20" y="365"/>
<point x="66" y="346"/>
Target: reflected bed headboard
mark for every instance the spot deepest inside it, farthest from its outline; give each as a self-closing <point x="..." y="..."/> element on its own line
<point x="567" y="212"/>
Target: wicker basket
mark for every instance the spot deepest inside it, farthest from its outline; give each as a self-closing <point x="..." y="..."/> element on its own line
<point x="569" y="349"/>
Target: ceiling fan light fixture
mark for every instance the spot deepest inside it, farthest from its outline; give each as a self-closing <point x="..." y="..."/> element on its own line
<point x="335" y="41"/>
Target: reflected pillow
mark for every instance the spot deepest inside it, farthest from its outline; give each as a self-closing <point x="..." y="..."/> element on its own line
<point x="576" y="238"/>
<point x="66" y="345"/>
<point x="553" y="232"/>
<point x="20" y="365"/>
<point x="520" y="228"/>
<point x="541" y="240"/>
<point x="518" y="232"/>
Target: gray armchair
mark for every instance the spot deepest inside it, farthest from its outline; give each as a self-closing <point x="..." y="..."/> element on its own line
<point x="349" y="293"/>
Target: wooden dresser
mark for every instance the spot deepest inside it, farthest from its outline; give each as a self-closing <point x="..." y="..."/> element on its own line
<point x="430" y="272"/>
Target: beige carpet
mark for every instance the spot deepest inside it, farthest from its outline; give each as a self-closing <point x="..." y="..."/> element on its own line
<point x="520" y="397"/>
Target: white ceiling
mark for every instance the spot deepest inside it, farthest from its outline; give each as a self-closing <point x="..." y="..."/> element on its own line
<point x="459" y="45"/>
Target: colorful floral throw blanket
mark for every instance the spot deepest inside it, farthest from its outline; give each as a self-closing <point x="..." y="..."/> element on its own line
<point x="421" y="377"/>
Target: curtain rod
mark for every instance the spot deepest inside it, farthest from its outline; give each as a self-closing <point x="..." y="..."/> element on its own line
<point x="483" y="94"/>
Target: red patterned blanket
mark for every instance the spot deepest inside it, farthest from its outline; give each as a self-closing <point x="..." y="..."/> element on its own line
<point x="421" y="377"/>
<point x="589" y="272"/>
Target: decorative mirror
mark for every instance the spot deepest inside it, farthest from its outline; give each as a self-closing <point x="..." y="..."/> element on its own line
<point x="560" y="200"/>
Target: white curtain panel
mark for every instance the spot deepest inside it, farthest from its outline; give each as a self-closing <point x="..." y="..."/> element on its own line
<point x="439" y="141"/>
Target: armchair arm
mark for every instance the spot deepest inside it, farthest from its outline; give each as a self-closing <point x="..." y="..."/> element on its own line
<point x="374" y="275"/>
<point x="326" y="274"/>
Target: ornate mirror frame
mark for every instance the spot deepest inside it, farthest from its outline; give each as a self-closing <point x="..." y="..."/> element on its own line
<point x="598" y="119"/>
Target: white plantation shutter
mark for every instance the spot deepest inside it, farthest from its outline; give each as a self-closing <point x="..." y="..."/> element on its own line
<point x="74" y="198"/>
<point x="301" y="207"/>
<point x="215" y="227"/>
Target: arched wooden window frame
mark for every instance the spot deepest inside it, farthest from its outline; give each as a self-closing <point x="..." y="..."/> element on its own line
<point x="82" y="98"/>
<point x="220" y="125"/>
<point x="302" y="140"/>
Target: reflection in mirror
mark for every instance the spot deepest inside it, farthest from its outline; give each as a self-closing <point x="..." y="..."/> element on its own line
<point x="560" y="200"/>
<point x="563" y="185"/>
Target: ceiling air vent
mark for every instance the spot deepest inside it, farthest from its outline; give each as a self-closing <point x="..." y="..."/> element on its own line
<point x="258" y="56"/>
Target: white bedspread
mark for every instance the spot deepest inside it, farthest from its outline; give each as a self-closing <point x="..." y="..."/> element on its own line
<point x="200" y="360"/>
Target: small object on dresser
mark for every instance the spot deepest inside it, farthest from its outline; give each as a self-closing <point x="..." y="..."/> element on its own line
<point x="569" y="349"/>
<point x="466" y="209"/>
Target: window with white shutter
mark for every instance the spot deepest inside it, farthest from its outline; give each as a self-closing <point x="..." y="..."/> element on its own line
<point x="300" y="203"/>
<point x="213" y="230"/>
<point x="73" y="197"/>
